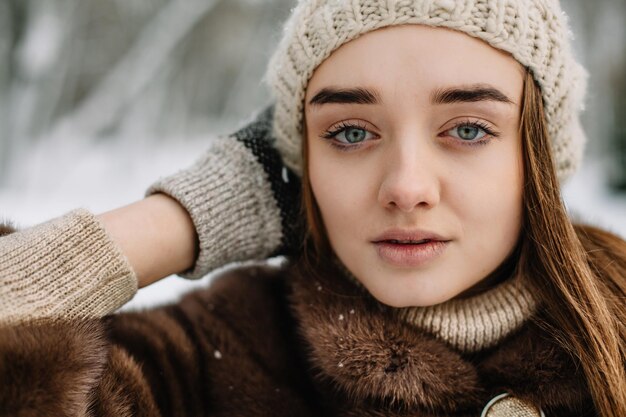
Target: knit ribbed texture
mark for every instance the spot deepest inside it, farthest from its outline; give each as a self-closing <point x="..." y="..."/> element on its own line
<point x="535" y="32"/>
<point x="285" y="185"/>
<point x="230" y="201"/>
<point x="479" y="322"/>
<point x="474" y="323"/>
<point x="65" y="268"/>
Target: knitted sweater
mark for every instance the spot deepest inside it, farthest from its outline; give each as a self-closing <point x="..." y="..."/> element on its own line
<point x="280" y="342"/>
<point x="243" y="203"/>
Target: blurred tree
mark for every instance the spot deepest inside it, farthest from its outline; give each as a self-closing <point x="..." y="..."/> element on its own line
<point x="601" y="43"/>
<point x="618" y="142"/>
<point x="92" y="68"/>
<point x="12" y="16"/>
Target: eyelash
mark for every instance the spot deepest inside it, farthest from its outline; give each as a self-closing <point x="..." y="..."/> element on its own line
<point x="489" y="132"/>
<point x="330" y="134"/>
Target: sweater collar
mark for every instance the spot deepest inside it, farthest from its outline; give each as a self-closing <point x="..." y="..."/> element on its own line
<point x="479" y="322"/>
<point x="474" y="323"/>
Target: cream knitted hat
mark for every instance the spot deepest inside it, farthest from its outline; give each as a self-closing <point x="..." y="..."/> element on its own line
<point x="534" y="32"/>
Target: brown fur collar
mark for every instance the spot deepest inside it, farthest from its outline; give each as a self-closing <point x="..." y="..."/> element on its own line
<point x="48" y="370"/>
<point x="359" y="348"/>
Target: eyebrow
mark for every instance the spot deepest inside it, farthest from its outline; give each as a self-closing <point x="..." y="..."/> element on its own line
<point x="359" y="95"/>
<point x="469" y="94"/>
<point x="356" y="95"/>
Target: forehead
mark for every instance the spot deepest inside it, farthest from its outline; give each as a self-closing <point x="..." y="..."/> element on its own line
<point x="414" y="59"/>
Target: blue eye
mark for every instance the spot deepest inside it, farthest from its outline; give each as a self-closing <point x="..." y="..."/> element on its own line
<point x="468" y="132"/>
<point x="348" y="135"/>
<point x="352" y="135"/>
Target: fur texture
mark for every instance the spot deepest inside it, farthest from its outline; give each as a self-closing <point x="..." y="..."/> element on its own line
<point x="262" y="341"/>
<point x="49" y="369"/>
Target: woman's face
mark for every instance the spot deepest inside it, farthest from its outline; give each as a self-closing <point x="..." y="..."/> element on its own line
<point x="415" y="160"/>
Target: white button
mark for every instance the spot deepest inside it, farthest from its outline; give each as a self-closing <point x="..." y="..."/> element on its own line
<point x="505" y="405"/>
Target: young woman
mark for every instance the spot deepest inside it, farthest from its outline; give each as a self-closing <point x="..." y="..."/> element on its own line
<point x="439" y="273"/>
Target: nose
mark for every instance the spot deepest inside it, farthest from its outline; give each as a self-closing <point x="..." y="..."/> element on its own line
<point x="410" y="178"/>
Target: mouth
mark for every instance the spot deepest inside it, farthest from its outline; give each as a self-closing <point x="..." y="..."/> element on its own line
<point x="409" y="237"/>
<point x="407" y="242"/>
<point x="410" y="248"/>
<point x="411" y="254"/>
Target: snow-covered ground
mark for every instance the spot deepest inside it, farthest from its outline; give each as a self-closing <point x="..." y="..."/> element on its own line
<point x="56" y="178"/>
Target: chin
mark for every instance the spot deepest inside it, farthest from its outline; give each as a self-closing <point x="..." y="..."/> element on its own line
<point x="402" y="298"/>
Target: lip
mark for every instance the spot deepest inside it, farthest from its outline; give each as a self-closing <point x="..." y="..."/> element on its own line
<point x="414" y="235"/>
<point x="410" y="255"/>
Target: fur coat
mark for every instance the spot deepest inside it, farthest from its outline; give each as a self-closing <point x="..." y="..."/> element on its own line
<point x="264" y="341"/>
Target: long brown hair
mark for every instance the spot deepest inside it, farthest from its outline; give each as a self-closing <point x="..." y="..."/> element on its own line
<point x="579" y="271"/>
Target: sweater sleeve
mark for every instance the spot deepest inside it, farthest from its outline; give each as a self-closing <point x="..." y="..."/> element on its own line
<point x="67" y="267"/>
<point x="244" y="203"/>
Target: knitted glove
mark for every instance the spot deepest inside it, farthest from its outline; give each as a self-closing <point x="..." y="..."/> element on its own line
<point x="244" y="203"/>
<point x="67" y="267"/>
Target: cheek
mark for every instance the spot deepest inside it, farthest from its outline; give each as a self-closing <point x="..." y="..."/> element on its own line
<point x="341" y="190"/>
<point x="324" y="183"/>
<point x="490" y="200"/>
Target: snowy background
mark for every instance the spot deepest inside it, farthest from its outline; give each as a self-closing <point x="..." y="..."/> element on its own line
<point x="99" y="98"/>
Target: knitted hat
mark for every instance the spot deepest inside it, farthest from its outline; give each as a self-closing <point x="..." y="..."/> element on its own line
<point x="534" y="32"/>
